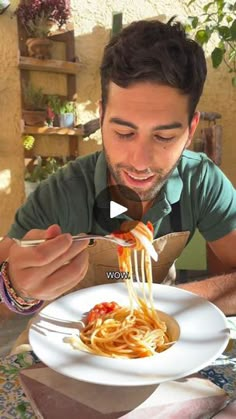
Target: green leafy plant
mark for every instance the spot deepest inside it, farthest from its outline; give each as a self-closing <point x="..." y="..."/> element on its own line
<point x="67" y="107"/>
<point x="54" y="102"/>
<point x="43" y="168"/>
<point x="34" y="98"/>
<point x="58" y="108"/>
<point x="217" y="23"/>
<point x="39" y="27"/>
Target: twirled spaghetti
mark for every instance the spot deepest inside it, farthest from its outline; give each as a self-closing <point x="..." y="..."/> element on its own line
<point x="127" y="332"/>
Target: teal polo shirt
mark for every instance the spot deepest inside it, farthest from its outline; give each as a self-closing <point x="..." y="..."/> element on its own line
<point x="206" y="197"/>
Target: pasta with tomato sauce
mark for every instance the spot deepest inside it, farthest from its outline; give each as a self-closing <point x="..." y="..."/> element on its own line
<point x="135" y="331"/>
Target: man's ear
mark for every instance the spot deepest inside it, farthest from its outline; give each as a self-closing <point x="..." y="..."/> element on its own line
<point x="193" y="127"/>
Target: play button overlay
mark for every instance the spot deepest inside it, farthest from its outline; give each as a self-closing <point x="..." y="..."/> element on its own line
<point x="109" y="211"/>
<point x="116" y="209"/>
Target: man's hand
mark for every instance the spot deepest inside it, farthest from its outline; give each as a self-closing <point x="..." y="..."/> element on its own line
<point x="48" y="270"/>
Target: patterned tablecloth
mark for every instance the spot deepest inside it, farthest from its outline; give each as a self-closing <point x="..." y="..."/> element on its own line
<point x="14" y="404"/>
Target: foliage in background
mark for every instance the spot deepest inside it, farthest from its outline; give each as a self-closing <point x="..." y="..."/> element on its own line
<point x="43" y="168"/>
<point x="60" y="106"/>
<point x="217" y="23"/>
<point x="37" y="15"/>
<point x="34" y="98"/>
<point x="54" y="102"/>
<point x="28" y="142"/>
<point x="67" y="107"/>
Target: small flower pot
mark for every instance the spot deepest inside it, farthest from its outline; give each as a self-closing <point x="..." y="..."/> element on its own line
<point x="66" y="120"/>
<point x="33" y="118"/>
<point x="39" y="48"/>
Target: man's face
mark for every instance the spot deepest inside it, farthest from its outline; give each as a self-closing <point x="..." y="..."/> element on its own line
<point x="145" y="129"/>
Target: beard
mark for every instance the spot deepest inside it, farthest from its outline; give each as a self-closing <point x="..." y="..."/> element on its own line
<point x="144" y="195"/>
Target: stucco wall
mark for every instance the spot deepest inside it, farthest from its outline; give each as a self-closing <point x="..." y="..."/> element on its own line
<point x="11" y="152"/>
<point x="92" y="29"/>
<point x="92" y="21"/>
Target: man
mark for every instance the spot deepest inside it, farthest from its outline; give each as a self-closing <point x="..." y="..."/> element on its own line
<point x="152" y="77"/>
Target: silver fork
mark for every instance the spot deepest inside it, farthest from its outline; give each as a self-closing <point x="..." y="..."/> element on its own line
<point x="117" y="240"/>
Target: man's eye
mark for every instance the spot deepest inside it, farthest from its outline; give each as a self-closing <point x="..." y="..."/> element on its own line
<point x="128" y="135"/>
<point x="163" y="139"/>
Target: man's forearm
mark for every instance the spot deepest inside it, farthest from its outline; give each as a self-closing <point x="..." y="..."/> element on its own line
<point x="220" y="290"/>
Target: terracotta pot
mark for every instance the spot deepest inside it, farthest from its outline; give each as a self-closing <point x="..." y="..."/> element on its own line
<point x="39" y="47"/>
<point x="34" y="117"/>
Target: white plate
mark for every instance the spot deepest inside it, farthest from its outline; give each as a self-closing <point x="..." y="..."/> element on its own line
<point x="203" y="337"/>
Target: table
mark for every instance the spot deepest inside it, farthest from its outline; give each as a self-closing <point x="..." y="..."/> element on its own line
<point x="14" y="404"/>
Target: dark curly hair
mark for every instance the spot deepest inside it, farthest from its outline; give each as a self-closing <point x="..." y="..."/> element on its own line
<point x="156" y="52"/>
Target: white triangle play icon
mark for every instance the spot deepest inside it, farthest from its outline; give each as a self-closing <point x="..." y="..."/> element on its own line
<point x="116" y="209"/>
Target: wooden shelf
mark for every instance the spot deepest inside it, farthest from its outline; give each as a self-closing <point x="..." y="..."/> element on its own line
<point x="68" y="65"/>
<point x="54" y="66"/>
<point x="53" y="131"/>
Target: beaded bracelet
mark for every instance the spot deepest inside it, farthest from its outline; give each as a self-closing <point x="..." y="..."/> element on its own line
<point x="28" y="302"/>
<point x="9" y="296"/>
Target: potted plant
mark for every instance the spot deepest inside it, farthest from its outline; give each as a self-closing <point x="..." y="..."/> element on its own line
<point x="38" y="17"/>
<point x="53" y="110"/>
<point x="217" y="23"/>
<point x="60" y="112"/>
<point x="34" y="103"/>
<point x="40" y="170"/>
<point x="67" y="114"/>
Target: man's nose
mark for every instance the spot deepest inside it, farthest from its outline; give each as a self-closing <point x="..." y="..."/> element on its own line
<point x="141" y="156"/>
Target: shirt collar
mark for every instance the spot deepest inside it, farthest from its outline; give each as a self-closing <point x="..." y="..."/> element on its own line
<point x="169" y="194"/>
<point x="173" y="187"/>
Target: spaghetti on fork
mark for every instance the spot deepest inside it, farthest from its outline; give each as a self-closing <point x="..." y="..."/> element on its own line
<point x="135" y="331"/>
